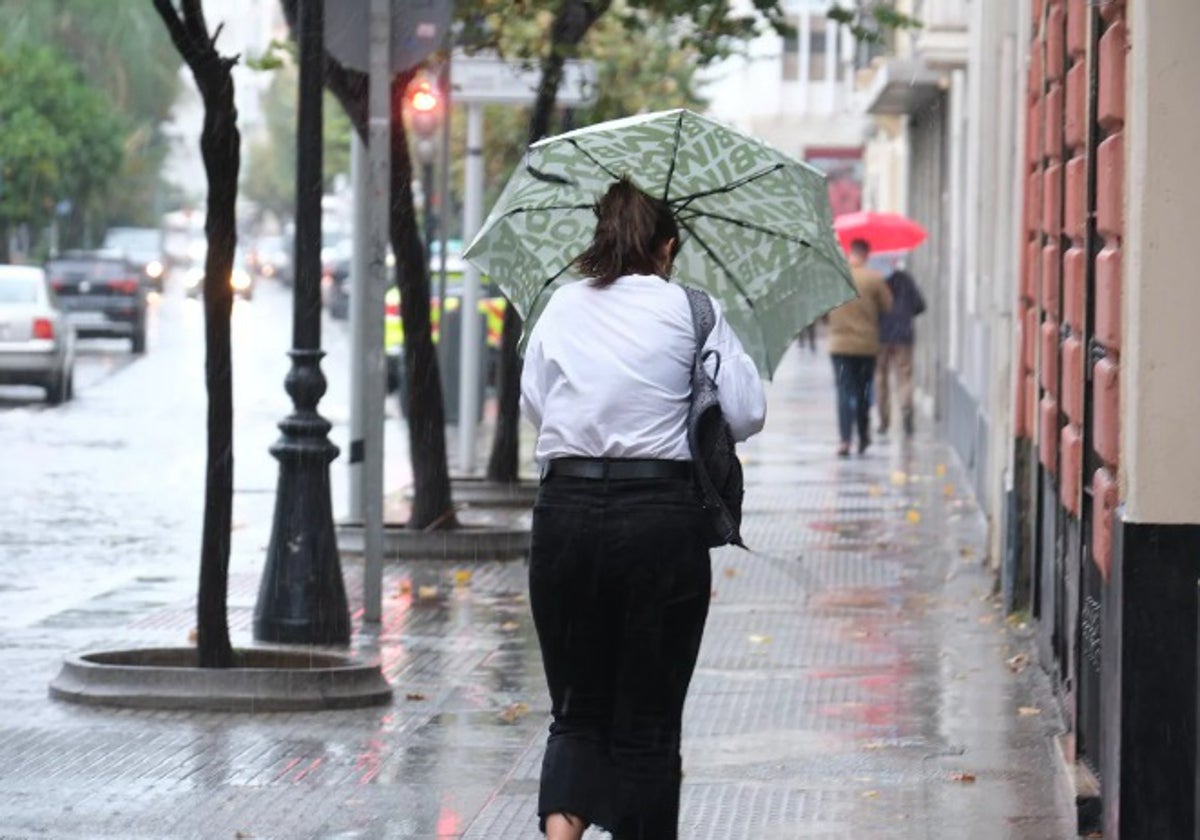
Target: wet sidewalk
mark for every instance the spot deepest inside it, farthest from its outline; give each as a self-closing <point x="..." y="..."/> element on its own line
<point x="856" y="680"/>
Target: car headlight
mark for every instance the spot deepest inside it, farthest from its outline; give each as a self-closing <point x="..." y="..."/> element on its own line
<point x="239" y="280"/>
<point x="154" y="269"/>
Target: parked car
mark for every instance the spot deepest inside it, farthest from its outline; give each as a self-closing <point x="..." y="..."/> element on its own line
<point x="142" y="248"/>
<point x="101" y="295"/>
<point x="37" y="344"/>
<point x="240" y="278"/>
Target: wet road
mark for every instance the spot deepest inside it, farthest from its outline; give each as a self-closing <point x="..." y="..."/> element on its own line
<point x="113" y="482"/>
<point x="853" y="680"/>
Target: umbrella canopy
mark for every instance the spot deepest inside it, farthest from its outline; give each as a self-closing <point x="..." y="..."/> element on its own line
<point x="755" y="224"/>
<point x="884" y="232"/>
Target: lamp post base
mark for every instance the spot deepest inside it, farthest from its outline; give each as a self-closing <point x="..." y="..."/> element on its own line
<point x="302" y="598"/>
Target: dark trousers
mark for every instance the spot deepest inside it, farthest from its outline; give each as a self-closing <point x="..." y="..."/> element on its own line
<point x="853" y="375"/>
<point x="619" y="581"/>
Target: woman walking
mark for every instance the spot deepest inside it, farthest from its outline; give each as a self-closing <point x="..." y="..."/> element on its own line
<point x="619" y="569"/>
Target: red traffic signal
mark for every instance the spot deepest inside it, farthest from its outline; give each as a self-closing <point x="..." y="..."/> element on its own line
<point x="424" y="106"/>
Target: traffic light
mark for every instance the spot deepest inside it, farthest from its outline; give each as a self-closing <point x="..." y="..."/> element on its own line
<point x="424" y="108"/>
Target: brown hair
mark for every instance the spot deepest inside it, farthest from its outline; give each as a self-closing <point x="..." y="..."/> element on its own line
<point x="631" y="226"/>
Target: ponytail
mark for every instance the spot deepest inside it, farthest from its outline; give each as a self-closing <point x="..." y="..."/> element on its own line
<point x="630" y="229"/>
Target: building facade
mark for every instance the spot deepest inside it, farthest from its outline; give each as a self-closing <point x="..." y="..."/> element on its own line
<point x="1056" y="171"/>
<point x="249" y="27"/>
<point x="799" y="94"/>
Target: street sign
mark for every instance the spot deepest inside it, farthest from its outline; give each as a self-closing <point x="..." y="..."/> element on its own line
<point x="419" y="27"/>
<point x="483" y="79"/>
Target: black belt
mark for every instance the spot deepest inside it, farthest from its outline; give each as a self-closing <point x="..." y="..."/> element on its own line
<point x="617" y="469"/>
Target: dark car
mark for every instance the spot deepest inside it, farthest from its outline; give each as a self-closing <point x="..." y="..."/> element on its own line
<point x="241" y="279"/>
<point x="141" y="247"/>
<point x="102" y="296"/>
<point x="335" y="279"/>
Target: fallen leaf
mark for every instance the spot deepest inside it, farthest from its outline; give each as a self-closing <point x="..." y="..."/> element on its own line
<point x="514" y="712"/>
<point x="404" y="587"/>
<point x="1017" y="663"/>
<point x="987" y="619"/>
<point x="193" y="636"/>
<point x="965" y="778"/>
<point x="1029" y="711"/>
<point x="756" y="639"/>
<point x="913" y="516"/>
<point x="731" y="572"/>
<point x="870" y="794"/>
<point x="426" y="592"/>
<point x="242" y="835"/>
<point x="414" y="695"/>
<point x="966" y="552"/>
<point x="462" y="577"/>
<point x="510" y="626"/>
<point x="875" y="490"/>
<point x="948" y="489"/>
<point x="899" y="478"/>
<point x="941" y="470"/>
<point x="873" y="745"/>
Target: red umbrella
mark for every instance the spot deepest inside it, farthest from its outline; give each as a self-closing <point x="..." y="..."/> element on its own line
<point x="882" y="231"/>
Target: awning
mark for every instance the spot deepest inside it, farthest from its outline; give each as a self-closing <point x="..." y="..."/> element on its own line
<point x="902" y="86"/>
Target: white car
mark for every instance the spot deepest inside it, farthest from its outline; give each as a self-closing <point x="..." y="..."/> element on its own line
<point x="37" y="343"/>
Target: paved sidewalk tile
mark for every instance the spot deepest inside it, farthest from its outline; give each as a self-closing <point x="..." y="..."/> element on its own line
<point x="852" y="683"/>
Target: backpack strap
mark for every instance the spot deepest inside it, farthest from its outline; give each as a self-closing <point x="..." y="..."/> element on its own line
<point x="704" y="318"/>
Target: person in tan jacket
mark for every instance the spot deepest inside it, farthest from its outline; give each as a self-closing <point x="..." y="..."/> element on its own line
<point x="854" y="347"/>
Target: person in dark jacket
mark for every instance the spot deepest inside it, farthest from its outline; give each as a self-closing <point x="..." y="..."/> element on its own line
<point x="896" y="337"/>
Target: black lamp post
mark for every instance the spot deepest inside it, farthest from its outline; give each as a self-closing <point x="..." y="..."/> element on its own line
<point x="302" y="599"/>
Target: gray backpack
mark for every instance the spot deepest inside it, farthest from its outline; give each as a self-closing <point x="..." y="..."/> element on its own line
<point x="717" y="468"/>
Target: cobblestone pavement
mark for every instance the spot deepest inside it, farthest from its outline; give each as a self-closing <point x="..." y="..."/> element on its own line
<point x="852" y="683"/>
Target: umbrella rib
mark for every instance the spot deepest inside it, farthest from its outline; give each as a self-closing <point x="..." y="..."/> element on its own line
<point x="593" y="159"/>
<point x="516" y="210"/>
<point x="749" y="226"/>
<point x="548" y="284"/>
<point x="720" y="263"/>
<point x="685" y="200"/>
<point x="674" y="157"/>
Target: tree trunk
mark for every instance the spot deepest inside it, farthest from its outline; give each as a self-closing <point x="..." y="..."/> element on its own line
<point x="431" y="503"/>
<point x="574" y="20"/>
<point x="5" y="234"/>
<point x="219" y="146"/>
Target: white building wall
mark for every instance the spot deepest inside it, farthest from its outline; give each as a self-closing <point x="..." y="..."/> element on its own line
<point x="1160" y="390"/>
<point x="750" y="91"/>
<point x="249" y="27"/>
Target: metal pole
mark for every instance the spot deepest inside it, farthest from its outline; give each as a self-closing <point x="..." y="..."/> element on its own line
<point x="444" y="177"/>
<point x="358" y="315"/>
<point x="379" y="163"/>
<point x="302" y="598"/>
<point x="468" y="383"/>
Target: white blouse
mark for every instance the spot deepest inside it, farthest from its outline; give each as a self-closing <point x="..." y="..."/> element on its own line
<point x="608" y="372"/>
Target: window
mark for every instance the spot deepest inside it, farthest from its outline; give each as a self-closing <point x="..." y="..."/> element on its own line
<point x="791" y="51"/>
<point x="818" y="45"/>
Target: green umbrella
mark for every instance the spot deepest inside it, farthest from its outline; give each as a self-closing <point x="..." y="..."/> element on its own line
<point x="756" y="228"/>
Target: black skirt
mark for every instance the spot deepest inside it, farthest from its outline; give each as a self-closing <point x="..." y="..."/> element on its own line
<point x="620" y="582"/>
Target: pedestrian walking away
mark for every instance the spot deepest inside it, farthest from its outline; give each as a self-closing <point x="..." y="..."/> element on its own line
<point x="619" y="572"/>
<point x="896" y="337"/>
<point x="854" y="347"/>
